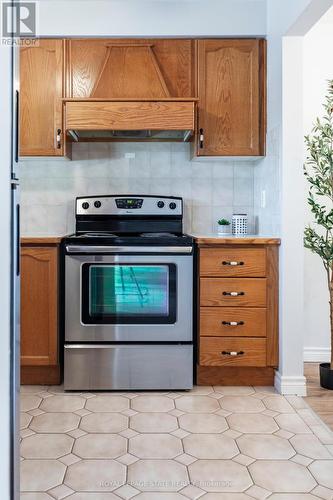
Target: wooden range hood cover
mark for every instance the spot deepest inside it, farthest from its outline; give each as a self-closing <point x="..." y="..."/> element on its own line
<point x="130" y="71"/>
<point x="139" y="105"/>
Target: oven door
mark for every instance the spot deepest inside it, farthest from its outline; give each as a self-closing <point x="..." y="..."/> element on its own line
<point x="128" y="298"/>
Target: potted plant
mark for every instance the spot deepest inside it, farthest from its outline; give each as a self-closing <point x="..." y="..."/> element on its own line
<point x="319" y="239"/>
<point x="223" y="226"/>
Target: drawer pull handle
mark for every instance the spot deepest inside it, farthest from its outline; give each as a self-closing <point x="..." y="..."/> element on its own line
<point x="232" y="263"/>
<point x="233" y="294"/>
<point x="233" y="323"/>
<point x="232" y="353"/>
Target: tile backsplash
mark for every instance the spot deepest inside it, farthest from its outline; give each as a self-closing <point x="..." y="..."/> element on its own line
<point x="211" y="190"/>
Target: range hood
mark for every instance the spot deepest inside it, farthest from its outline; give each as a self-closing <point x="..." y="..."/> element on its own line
<point x="138" y="104"/>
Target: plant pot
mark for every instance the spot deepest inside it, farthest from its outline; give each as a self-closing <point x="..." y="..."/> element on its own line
<point x="326" y="376"/>
<point x="224" y="230"/>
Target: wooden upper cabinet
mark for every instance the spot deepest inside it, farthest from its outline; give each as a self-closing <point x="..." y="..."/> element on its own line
<point x="130" y="68"/>
<point x="232" y="97"/>
<point x="41" y="91"/>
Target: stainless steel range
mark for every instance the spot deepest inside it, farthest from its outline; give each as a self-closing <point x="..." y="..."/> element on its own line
<point x="128" y="295"/>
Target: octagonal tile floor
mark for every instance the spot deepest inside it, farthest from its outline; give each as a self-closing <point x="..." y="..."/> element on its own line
<point x="212" y="443"/>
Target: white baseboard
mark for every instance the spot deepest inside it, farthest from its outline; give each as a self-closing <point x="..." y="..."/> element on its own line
<point x="290" y="385"/>
<point x="317" y="354"/>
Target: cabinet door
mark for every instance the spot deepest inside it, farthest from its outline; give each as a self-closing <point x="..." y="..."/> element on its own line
<point x="39" y="306"/>
<point x="41" y="91"/>
<point x="231" y="88"/>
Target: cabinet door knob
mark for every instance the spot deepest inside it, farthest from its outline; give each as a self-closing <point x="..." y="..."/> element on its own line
<point x="58" y="138"/>
<point x="232" y="353"/>
<point x="233" y="294"/>
<point x="233" y="323"/>
<point x="232" y="263"/>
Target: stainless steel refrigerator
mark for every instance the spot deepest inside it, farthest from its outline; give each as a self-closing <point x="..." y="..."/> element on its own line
<point x="15" y="284"/>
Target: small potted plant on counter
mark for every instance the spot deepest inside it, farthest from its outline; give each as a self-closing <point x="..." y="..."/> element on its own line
<point x="223" y="227"/>
<point x="319" y="239"/>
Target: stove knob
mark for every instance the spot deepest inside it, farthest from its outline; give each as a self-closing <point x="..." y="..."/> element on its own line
<point x="97" y="204"/>
<point x="160" y="204"/>
<point x="172" y="205"/>
<point x="85" y="205"/>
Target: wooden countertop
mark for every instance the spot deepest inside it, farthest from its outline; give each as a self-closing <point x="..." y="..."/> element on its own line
<point x="41" y="240"/>
<point x="215" y="239"/>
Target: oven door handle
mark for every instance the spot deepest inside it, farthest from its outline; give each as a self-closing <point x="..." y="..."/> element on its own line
<point x="90" y="249"/>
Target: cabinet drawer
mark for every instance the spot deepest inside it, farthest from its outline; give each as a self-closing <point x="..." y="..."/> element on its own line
<point x="231" y="262"/>
<point x="218" y="322"/>
<point x="230" y="351"/>
<point x="233" y="292"/>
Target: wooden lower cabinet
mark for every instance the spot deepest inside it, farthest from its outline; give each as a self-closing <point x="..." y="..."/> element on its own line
<point x="40" y="313"/>
<point x="238" y="312"/>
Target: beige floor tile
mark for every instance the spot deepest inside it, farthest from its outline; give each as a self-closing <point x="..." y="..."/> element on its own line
<point x="219" y="475"/>
<point x="258" y="493"/>
<point x="210" y="446"/>
<point x="322" y="470"/>
<point x="226" y="496"/>
<point x="62" y="404"/>
<point x="282" y="476"/>
<point x="265" y="447"/>
<point x="240" y="404"/>
<point x="154" y="404"/>
<point x="55" y="422"/>
<point x="292" y="496"/>
<point x="158" y="475"/>
<point x="243" y="459"/>
<point x="104" y="422"/>
<point x="301" y="459"/>
<point x="292" y="423"/>
<point x="234" y="390"/>
<point x="32" y="389"/>
<point x="127" y="459"/>
<point x="278" y="404"/>
<point x="127" y="491"/>
<point x="60" y="492"/>
<point x="192" y="492"/>
<point x="35" y="496"/>
<point x="322" y="492"/>
<point x="197" y="404"/>
<point x="155" y="446"/>
<point x="252" y="423"/>
<point x="46" y="446"/>
<point x="201" y="390"/>
<point x="25" y="420"/>
<point x="324" y="434"/>
<point x="296" y="402"/>
<point x="29" y="402"/>
<point x="203" y="423"/>
<point x="107" y="404"/>
<point x="95" y="475"/>
<point x="76" y="433"/>
<point x="93" y="496"/>
<point x="69" y="459"/>
<point x="41" y="475"/>
<point x="159" y="496"/>
<point x="185" y="459"/>
<point x="100" y="446"/>
<point x="265" y="389"/>
<point x="310" y="446"/>
<point x="153" y="422"/>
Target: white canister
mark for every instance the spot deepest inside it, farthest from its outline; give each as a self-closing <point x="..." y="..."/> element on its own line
<point x="239" y="224"/>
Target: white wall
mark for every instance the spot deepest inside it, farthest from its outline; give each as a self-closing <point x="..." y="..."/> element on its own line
<point x="210" y="190"/>
<point x="5" y="145"/>
<point x="317" y="69"/>
<point x="152" y="17"/>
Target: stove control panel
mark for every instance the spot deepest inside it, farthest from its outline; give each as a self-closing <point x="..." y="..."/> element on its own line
<point x="129" y="205"/>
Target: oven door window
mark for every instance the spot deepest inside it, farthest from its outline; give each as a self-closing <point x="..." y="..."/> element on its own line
<point x="125" y="294"/>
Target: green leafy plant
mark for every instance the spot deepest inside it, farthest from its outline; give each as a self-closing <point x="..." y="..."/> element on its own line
<point x="223" y="222"/>
<point x="318" y="170"/>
